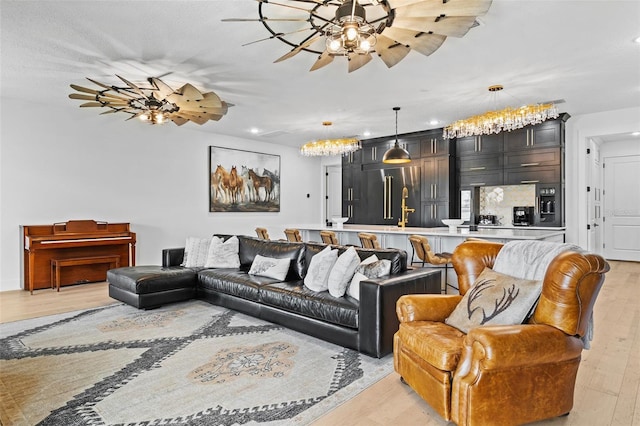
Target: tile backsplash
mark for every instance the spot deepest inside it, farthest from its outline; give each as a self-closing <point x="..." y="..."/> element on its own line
<point x="500" y="200"/>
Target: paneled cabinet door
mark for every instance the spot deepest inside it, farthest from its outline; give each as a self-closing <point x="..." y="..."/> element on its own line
<point x="482" y="178"/>
<point x="539" y="136"/>
<point x="435" y="178"/>
<point x="539" y="174"/>
<point x="533" y="158"/>
<point x="434" y="144"/>
<point x="479" y="144"/>
<point x="433" y="213"/>
<point x="373" y="152"/>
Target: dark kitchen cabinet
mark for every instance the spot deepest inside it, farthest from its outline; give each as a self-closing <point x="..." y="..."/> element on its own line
<point x="482" y="178"/>
<point x="547" y="134"/>
<point x="479" y="163"/>
<point x="433" y="213"/>
<point x="536" y="174"/>
<point x="533" y="158"/>
<point x="484" y="144"/>
<point x="372" y="152"/>
<point x="436" y="178"/>
<point x="432" y="144"/>
<point x="351" y="190"/>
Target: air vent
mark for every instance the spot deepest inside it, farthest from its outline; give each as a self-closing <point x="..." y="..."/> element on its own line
<point x="275" y="133"/>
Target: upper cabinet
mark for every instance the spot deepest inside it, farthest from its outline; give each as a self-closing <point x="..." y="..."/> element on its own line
<point x="544" y="135"/>
<point x="485" y="144"/>
<point x="432" y="144"/>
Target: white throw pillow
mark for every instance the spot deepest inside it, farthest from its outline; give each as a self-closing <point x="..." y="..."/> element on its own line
<point x="317" y="278"/>
<point x="354" y="287"/>
<point x="270" y="267"/>
<point x="223" y="254"/>
<point x="342" y="272"/>
<point x="195" y="252"/>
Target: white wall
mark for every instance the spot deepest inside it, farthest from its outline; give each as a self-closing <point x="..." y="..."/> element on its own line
<point x="54" y="169"/>
<point x="579" y="130"/>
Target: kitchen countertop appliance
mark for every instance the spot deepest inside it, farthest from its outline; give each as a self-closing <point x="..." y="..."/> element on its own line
<point x="523" y="216"/>
<point x="486" y="219"/>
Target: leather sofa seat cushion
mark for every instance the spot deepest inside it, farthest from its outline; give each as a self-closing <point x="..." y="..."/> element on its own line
<point x="233" y="281"/>
<point x="151" y="279"/>
<point x="397" y="257"/>
<point x="437" y="343"/>
<point x="295" y="297"/>
<point x="250" y="247"/>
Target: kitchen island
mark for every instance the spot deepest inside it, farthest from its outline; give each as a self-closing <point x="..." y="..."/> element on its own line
<point x="441" y="239"/>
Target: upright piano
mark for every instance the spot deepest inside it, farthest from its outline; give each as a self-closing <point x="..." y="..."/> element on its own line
<point x="81" y="240"/>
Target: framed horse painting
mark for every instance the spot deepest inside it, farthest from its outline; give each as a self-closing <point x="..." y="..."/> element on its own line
<point x="243" y="181"/>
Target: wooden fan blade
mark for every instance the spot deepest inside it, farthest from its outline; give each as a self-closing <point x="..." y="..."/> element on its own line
<point x="190" y="93"/>
<point x="325" y="59"/>
<point x="265" y="19"/>
<point x="390" y="51"/>
<point x="210" y="100"/>
<point x="135" y="88"/>
<point x="164" y="89"/>
<point x="91" y="104"/>
<point x="178" y="120"/>
<point x="357" y="60"/>
<point x="456" y="26"/>
<point x="82" y="97"/>
<point x="424" y="43"/>
<point x="114" y="96"/>
<point x="97" y="83"/>
<point x="416" y="9"/>
<point x="296" y="50"/>
<point x="84" y="89"/>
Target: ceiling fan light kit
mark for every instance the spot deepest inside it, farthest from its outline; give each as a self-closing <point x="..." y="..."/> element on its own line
<point x="496" y="121"/>
<point x="330" y="146"/>
<point x="357" y="28"/>
<point x="396" y="154"/>
<point x="155" y="103"/>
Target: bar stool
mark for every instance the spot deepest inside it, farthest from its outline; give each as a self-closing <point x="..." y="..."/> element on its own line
<point x="369" y="240"/>
<point x="422" y="250"/>
<point x="329" y="237"/>
<point x="262" y="233"/>
<point x="293" y="235"/>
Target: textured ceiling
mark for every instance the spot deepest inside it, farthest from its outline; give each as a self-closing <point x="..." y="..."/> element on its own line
<point x="579" y="51"/>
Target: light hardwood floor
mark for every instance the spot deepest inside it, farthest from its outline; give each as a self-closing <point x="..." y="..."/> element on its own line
<point x="607" y="389"/>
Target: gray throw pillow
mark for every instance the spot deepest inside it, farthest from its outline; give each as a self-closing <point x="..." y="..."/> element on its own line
<point x="495" y="299"/>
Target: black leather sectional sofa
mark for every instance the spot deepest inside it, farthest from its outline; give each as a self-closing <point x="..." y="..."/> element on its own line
<point x="367" y="325"/>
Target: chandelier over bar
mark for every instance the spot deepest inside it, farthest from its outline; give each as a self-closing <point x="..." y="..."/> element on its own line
<point x="155" y="103"/>
<point x="329" y="146"/>
<point x="508" y="119"/>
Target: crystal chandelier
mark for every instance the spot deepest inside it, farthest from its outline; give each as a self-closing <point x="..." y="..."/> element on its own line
<point x="329" y="146"/>
<point x="353" y="34"/>
<point x="508" y="119"/>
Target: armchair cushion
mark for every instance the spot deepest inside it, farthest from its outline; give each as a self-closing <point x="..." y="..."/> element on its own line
<point x="438" y="344"/>
<point x="495" y="299"/>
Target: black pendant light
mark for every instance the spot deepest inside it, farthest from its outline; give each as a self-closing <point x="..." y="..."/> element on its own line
<point x="396" y="154"/>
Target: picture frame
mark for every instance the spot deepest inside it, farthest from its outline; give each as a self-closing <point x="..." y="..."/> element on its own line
<point x="243" y="181"/>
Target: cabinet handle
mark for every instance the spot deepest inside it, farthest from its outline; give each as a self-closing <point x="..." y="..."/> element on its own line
<point x="529" y="181"/>
<point x="477" y="184"/>
<point x="537" y="205"/>
<point x="480" y="143"/>
<point x="529" y="164"/>
<point x="435" y="191"/>
<point x="532" y="139"/>
<point x="387" y="214"/>
<point x="350" y="211"/>
<point x="471" y="169"/>
<point x="433" y="146"/>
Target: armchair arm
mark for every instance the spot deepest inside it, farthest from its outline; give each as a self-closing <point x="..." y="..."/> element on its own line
<point x="172" y="256"/>
<point x="470" y="258"/>
<point x="378" y="296"/>
<point x="426" y="307"/>
<point x="504" y="347"/>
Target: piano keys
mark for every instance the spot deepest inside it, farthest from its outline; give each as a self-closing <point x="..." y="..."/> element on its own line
<point x="74" y="239"/>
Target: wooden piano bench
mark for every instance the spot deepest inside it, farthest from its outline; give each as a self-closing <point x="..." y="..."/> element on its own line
<point x="146" y="287"/>
<point x="58" y="264"/>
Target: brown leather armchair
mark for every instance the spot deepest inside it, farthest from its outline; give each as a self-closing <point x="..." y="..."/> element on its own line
<point x="499" y="375"/>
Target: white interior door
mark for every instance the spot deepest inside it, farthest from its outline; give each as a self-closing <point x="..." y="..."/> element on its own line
<point x="333" y="196"/>
<point x="594" y="199"/>
<point x="622" y="208"/>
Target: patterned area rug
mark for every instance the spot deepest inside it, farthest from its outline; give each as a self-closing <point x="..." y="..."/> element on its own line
<point x="190" y="363"/>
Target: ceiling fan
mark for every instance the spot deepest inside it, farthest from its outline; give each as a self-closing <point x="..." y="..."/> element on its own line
<point x="356" y="29"/>
<point x="155" y="103"/>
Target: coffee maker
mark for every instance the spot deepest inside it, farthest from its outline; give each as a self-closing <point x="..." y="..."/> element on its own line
<point x="523" y="216"/>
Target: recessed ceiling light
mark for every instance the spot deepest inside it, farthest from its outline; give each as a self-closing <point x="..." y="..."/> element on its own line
<point x="366" y="133"/>
<point x="635" y="134"/>
<point x="254" y="130"/>
<point x="637" y="40"/>
<point x="433" y="122"/>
